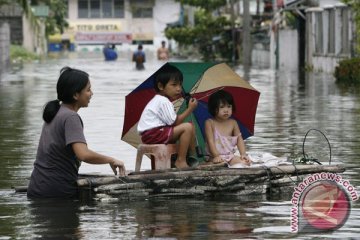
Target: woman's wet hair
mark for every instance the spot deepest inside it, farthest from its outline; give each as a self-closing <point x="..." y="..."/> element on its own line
<point x="217" y="98"/>
<point x="165" y="74"/>
<point x="70" y="82"/>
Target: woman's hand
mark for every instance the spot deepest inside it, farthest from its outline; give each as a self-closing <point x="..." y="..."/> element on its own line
<point x="120" y="165"/>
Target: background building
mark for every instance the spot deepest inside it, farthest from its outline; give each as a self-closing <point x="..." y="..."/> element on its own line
<point x="122" y="22"/>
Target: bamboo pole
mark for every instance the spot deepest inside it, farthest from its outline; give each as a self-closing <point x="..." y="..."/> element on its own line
<point x="246" y="35"/>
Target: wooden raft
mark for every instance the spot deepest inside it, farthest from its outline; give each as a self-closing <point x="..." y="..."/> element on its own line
<point x="209" y="180"/>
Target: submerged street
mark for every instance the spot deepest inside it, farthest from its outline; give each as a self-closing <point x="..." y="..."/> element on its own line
<point x="287" y="109"/>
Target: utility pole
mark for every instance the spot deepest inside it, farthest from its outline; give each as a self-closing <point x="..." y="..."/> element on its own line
<point x="246" y="35"/>
<point x="275" y="9"/>
<point x="233" y="36"/>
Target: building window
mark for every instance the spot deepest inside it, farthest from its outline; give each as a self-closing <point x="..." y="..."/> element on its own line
<point x="94" y="8"/>
<point x="345" y="42"/>
<point x="142" y="8"/>
<point x="118" y="8"/>
<point x="331" y="46"/>
<point x="143" y="13"/>
<point x="318" y="33"/>
<point x="83" y="8"/>
<point x="107" y="9"/>
<point x="101" y="9"/>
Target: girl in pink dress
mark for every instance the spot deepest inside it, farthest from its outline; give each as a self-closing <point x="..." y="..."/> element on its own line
<point x="223" y="136"/>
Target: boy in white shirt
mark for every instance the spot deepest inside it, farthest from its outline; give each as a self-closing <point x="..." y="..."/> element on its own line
<point x="159" y="123"/>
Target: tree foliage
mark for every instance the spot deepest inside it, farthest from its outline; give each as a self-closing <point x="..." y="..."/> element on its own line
<point x="55" y="22"/>
<point x="348" y="71"/>
<point x="207" y="27"/>
<point x="3" y="2"/>
<point x="208" y="5"/>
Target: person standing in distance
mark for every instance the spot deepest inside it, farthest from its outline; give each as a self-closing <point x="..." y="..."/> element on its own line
<point x="139" y="58"/>
<point x="163" y="52"/>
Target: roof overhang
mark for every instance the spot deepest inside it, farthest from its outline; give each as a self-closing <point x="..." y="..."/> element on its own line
<point x="292" y="3"/>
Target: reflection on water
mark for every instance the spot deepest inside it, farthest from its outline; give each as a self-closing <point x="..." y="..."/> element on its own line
<point x="51" y="219"/>
<point x="286" y="111"/>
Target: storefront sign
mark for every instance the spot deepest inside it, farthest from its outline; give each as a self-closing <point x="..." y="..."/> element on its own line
<point x="85" y="26"/>
<point x="97" y="27"/>
<point x="102" y="38"/>
<point x="40" y="10"/>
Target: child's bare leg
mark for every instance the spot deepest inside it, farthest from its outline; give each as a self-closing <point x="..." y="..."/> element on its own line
<point x="182" y="132"/>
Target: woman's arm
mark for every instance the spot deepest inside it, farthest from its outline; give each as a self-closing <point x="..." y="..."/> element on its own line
<point x="83" y="153"/>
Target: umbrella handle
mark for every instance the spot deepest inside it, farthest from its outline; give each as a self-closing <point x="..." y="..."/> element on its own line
<point x="187" y="98"/>
<point x="199" y="151"/>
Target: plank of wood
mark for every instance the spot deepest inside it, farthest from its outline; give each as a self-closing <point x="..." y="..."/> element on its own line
<point x="246" y="174"/>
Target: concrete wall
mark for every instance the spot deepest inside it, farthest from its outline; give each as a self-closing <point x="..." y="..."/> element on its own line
<point x="12" y="14"/>
<point x="286" y="45"/>
<point x="4" y="47"/>
<point x="328" y="42"/>
<point x="264" y="55"/>
<point x="28" y="35"/>
<point x="289" y="49"/>
<point x="165" y="11"/>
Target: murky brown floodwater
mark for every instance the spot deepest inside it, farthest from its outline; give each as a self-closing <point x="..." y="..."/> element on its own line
<point x="286" y="111"/>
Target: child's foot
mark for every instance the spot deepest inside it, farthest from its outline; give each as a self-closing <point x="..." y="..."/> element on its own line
<point x="181" y="164"/>
<point x="217" y="160"/>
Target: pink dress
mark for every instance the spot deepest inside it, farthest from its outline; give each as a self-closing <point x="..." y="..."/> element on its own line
<point x="226" y="145"/>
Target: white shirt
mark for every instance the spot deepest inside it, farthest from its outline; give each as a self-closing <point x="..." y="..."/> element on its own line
<point x="158" y="112"/>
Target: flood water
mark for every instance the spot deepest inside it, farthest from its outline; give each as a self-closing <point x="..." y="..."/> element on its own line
<point x="287" y="110"/>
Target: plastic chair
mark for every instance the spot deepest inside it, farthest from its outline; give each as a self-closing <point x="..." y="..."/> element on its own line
<point x="160" y="155"/>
